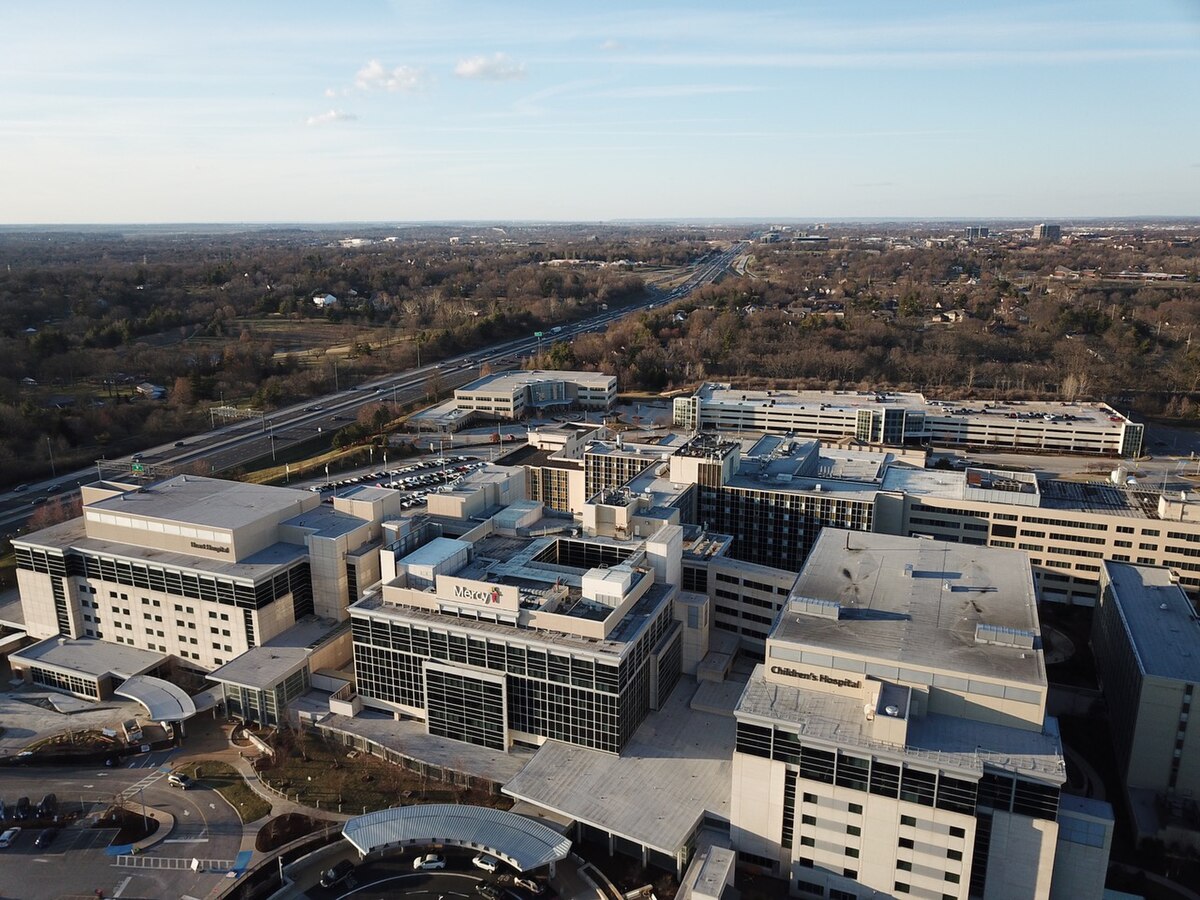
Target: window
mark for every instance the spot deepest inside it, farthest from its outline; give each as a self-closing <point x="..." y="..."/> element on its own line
<point x="957" y="832"/>
<point x="954" y="854"/>
<point x="901" y="887"/>
<point x="855" y="808"/>
<point x="906" y="843"/>
<point x="853" y="830"/>
<point x="903" y="865"/>
<point x="808" y="887"/>
<point x="850" y="873"/>
<point x="835" y="894"/>
<point x="807" y="841"/>
<point x="852" y="852"/>
<point x="908" y="820"/>
<point x="808" y="820"/>
<point x="952" y="877"/>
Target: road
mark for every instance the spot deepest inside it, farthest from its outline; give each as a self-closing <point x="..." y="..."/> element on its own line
<point x="232" y="446"/>
<point x="206" y="828"/>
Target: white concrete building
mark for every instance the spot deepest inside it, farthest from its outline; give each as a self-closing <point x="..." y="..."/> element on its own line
<point x="895" y="741"/>
<point x="513" y="394"/>
<point x="893" y="418"/>
<point x="199" y="568"/>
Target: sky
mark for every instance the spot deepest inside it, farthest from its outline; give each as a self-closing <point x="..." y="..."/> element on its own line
<point x="439" y="110"/>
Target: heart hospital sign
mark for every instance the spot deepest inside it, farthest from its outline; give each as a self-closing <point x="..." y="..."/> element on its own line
<point x="478" y="593"/>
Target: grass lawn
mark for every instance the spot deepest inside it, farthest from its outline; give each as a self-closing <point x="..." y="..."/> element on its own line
<point x="229" y="783"/>
<point x="326" y="774"/>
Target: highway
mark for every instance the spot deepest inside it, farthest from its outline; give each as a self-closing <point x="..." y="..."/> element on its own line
<point x="229" y="447"/>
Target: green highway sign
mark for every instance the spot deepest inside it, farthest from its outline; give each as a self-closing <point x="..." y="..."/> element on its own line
<point x="138" y="468"/>
<point x="538" y="334"/>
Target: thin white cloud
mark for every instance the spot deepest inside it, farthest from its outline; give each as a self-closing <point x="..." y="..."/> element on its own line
<point x="611" y="45"/>
<point x="497" y="67"/>
<point x="674" y="90"/>
<point x="374" y="76"/>
<point x="330" y="92"/>
<point x="332" y="117"/>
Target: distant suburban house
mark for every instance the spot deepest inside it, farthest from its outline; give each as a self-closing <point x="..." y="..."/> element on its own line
<point x="325" y="300"/>
<point x="28" y="382"/>
<point x="153" y="391"/>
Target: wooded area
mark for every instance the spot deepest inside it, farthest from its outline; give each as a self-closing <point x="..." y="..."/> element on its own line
<point x="91" y="322"/>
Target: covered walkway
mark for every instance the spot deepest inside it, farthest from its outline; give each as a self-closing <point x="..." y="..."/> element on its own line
<point x="163" y="701"/>
<point x="522" y="843"/>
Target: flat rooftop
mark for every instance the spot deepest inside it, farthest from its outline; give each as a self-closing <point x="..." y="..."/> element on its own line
<point x="676" y="768"/>
<point x="325" y="521"/>
<point x="945" y="741"/>
<point x="515" y="379"/>
<point x="1159" y="619"/>
<point x="90" y="656"/>
<point x="265" y="666"/>
<point x="530" y="455"/>
<point x="255" y="567"/>
<point x="208" y="502"/>
<point x="617" y="644"/>
<point x="1097" y="414"/>
<point x="917" y="602"/>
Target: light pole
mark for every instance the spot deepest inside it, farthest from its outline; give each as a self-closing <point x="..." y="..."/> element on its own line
<point x="50" y="450"/>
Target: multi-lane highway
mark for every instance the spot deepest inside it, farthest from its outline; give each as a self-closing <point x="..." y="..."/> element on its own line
<point x="231" y="446"/>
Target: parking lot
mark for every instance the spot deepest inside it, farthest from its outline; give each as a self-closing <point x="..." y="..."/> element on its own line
<point x="414" y="480"/>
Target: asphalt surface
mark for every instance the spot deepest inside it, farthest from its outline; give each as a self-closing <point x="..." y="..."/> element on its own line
<point x="206" y="828"/>
<point x="236" y="444"/>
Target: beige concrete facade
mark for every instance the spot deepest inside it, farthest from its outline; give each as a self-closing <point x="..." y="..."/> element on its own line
<point x="889" y="417"/>
<point x="895" y="741"/>
<point x="198" y="568"/>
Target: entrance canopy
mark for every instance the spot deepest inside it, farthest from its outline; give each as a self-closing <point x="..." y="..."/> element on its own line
<point x="164" y="702"/>
<point x="520" y="842"/>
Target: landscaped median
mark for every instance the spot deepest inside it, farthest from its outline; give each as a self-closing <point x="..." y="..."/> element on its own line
<point x="229" y="783"/>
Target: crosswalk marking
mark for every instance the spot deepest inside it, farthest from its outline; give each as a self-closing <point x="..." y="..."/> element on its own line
<point x="172" y="862"/>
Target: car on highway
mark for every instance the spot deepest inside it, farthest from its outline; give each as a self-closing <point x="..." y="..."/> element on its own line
<point x="337" y="874"/>
<point x="45" y="838"/>
<point x="428" y="862"/>
<point x="485" y="862"/>
<point x="21" y="487"/>
<point x="181" y="443"/>
<point x="180" y="780"/>
<point x="10" y="835"/>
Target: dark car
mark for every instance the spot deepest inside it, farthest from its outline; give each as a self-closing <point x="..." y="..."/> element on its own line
<point x="46" y="837"/>
<point x="487" y="891"/>
<point x="48" y="808"/>
<point x="23" y="810"/>
<point x="337" y="874"/>
<point x="181" y="443"/>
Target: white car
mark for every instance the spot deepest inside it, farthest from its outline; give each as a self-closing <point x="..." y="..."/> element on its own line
<point x="485" y="862"/>
<point x="429" y="861"/>
<point x="9" y="836"/>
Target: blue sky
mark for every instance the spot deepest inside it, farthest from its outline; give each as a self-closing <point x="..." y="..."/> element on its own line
<point x="402" y="111"/>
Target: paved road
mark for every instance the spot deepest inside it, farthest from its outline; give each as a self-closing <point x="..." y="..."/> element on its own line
<point x="234" y="445"/>
<point x="76" y="863"/>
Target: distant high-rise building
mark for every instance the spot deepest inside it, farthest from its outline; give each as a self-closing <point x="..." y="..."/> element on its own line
<point x="1044" y="232"/>
<point x="975" y="232"/>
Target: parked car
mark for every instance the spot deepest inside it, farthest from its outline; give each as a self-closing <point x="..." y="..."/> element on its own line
<point x="179" y="780"/>
<point x="487" y="891"/>
<point x="429" y="861"/>
<point x="48" y="808"/>
<point x="45" y="838"/>
<point x="337" y="874"/>
<point x="485" y="862"/>
<point x="530" y="884"/>
<point x="23" y="811"/>
<point x="6" y="839"/>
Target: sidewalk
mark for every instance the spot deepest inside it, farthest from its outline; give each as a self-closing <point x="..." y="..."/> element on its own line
<point x="210" y="740"/>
